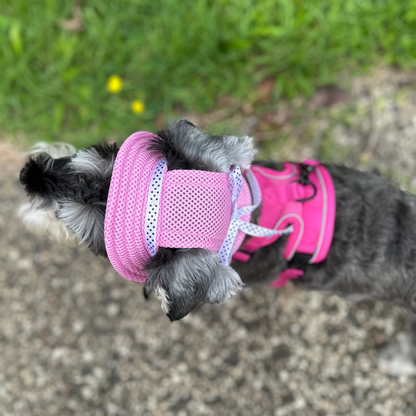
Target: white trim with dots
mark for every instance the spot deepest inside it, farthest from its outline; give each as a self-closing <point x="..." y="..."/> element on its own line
<point x="152" y="209"/>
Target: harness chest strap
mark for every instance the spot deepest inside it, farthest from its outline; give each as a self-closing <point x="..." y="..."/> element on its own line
<point x="301" y="196"/>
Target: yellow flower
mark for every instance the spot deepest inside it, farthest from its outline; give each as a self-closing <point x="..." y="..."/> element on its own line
<point x="114" y="84"/>
<point x="137" y="107"/>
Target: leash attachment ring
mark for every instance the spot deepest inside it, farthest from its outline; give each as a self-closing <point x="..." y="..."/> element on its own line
<point x="305" y="170"/>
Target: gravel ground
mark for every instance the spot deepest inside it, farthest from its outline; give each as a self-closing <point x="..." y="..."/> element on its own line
<point x="76" y="339"/>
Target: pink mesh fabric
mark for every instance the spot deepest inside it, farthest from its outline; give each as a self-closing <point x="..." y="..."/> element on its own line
<point x="126" y="207"/>
<point x="194" y="209"/>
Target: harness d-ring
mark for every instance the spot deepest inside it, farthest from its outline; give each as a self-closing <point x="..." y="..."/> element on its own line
<point x="304" y="180"/>
<point x="314" y="191"/>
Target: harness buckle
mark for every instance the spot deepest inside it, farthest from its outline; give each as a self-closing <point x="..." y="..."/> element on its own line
<point x="305" y="170"/>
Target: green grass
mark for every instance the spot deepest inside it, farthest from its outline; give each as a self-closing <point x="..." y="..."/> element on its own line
<point x="181" y="55"/>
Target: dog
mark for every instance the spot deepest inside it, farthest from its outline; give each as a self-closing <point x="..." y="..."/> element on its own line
<point x="372" y="254"/>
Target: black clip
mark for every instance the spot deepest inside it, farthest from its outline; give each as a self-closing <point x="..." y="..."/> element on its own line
<point x="305" y="170"/>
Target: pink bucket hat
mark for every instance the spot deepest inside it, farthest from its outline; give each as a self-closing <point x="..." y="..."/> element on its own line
<point x="150" y="207"/>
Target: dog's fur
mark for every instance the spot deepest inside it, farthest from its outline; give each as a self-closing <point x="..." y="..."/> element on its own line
<point x="373" y="253"/>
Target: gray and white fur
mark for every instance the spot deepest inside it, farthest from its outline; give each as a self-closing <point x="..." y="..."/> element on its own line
<point x="73" y="189"/>
<point x="373" y="253"/>
<point x="40" y="219"/>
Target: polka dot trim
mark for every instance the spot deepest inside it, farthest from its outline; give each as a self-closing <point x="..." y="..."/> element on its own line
<point x="152" y="209"/>
<point x="257" y="231"/>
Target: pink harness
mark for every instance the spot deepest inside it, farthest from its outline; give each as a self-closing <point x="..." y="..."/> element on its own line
<point x="301" y="195"/>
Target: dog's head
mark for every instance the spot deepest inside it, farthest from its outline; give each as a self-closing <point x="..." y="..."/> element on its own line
<point x="69" y="191"/>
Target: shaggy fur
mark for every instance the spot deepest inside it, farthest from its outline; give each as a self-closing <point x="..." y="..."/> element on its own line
<point x="373" y="254"/>
<point x="75" y="190"/>
<point x="185" y="146"/>
<point x="70" y="188"/>
<point x="187" y="277"/>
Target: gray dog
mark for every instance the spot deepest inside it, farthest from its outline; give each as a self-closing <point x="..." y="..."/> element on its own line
<point x="372" y="256"/>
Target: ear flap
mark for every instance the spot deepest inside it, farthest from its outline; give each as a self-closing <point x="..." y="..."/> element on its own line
<point x="185" y="146"/>
<point x="183" y="278"/>
<point x="240" y="149"/>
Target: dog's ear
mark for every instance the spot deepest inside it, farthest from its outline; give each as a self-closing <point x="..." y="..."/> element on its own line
<point x="185" y="146"/>
<point x="182" y="278"/>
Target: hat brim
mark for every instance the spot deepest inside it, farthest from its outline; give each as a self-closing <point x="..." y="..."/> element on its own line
<point x="126" y="205"/>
